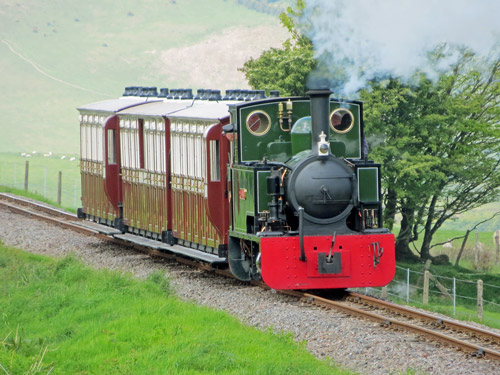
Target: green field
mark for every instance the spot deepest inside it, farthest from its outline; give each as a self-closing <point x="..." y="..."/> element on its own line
<point x="60" y="54"/>
<point x="60" y="317"/>
<point x="483" y="238"/>
<point x="43" y="176"/>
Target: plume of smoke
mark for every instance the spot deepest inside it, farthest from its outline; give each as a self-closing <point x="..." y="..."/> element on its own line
<point x="358" y="40"/>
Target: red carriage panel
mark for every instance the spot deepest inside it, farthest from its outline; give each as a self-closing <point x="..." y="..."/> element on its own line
<point x="191" y="220"/>
<point x="217" y="160"/>
<point x="94" y="156"/>
<point x="145" y="145"/>
<point x="112" y="161"/>
<point x="95" y="201"/>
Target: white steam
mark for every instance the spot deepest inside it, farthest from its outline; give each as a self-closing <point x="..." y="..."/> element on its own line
<point x="366" y="39"/>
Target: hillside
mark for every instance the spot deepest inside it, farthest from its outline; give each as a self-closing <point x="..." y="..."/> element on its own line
<point x="59" y="54"/>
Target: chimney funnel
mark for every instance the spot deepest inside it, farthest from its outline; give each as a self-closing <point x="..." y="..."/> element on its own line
<point x="320" y="115"/>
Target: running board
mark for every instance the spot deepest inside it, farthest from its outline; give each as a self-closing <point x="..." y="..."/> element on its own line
<point x="152" y="244"/>
<point x="177" y="249"/>
<point x="99" y="228"/>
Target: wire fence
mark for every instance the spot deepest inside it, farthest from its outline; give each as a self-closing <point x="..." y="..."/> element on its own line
<point x="59" y="184"/>
<point x="460" y="298"/>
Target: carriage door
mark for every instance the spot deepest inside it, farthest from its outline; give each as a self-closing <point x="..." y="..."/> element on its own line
<point x="112" y="163"/>
<point x="217" y="159"/>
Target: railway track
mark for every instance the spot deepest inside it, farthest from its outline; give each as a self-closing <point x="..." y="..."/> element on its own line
<point x="475" y="341"/>
<point x="68" y="220"/>
<point x="472" y="340"/>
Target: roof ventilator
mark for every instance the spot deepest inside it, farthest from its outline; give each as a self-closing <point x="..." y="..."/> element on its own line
<point x="163" y="93"/>
<point x="187" y="94"/>
<point x="228" y="95"/>
<point x="199" y="94"/>
<point x="206" y="94"/>
<point x="215" y="95"/>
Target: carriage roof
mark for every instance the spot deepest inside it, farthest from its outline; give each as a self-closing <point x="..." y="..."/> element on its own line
<point x="113" y="105"/>
<point x="196" y="109"/>
<point x="181" y="109"/>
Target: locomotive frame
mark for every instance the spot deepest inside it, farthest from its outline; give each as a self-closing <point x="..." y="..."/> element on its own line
<point x="218" y="180"/>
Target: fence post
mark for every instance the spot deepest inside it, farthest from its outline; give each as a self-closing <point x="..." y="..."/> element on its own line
<point x="45" y="182"/>
<point x="426" y="288"/>
<point x="454" y="296"/>
<point x="480" y="299"/>
<point x="26" y="174"/>
<point x="497" y="243"/>
<point x="59" y="188"/>
<point x="407" y="285"/>
<point x="476" y="252"/>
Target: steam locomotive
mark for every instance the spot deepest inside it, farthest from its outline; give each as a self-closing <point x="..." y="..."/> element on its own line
<point x="274" y="188"/>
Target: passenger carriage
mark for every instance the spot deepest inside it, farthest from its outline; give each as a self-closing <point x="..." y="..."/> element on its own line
<point x="158" y="164"/>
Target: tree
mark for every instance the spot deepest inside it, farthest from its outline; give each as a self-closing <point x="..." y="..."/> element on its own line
<point x="439" y="144"/>
<point x="437" y="140"/>
<point x="287" y="68"/>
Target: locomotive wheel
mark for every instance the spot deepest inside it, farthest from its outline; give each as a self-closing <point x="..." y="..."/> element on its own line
<point x="244" y="259"/>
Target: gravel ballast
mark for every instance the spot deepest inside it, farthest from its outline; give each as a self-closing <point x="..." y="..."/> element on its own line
<point x="354" y="343"/>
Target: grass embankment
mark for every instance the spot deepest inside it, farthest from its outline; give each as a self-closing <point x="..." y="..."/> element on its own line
<point x="60" y="317"/>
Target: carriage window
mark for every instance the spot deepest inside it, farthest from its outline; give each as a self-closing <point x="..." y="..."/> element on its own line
<point x="111" y="147"/>
<point x="93" y="131"/>
<point x="214" y="161"/>
<point x="83" y="143"/>
<point x="99" y="135"/>
<point x="88" y="137"/>
<point x="141" y="143"/>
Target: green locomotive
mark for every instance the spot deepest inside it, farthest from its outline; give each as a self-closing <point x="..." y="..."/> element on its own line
<point x="305" y="200"/>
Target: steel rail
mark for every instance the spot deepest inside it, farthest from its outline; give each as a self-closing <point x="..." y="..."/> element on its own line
<point x="39" y="216"/>
<point x="474" y="349"/>
<point x="67" y="220"/>
<point x="477" y="350"/>
<point x="37" y="205"/>
<point x="441" y="322"/>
